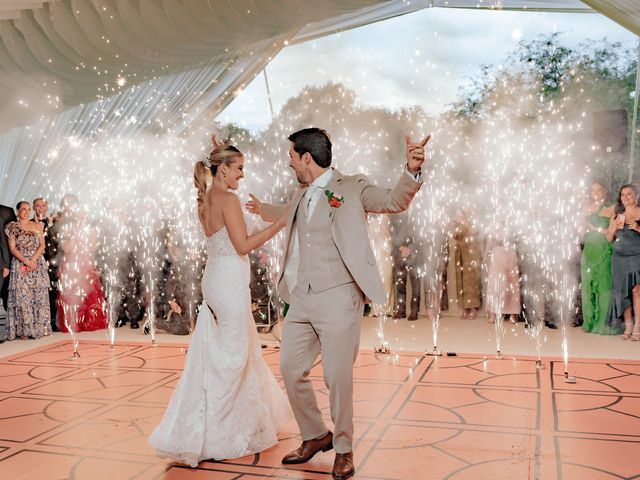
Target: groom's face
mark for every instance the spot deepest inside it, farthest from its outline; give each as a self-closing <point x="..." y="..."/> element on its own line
<point x="300" y="165"/>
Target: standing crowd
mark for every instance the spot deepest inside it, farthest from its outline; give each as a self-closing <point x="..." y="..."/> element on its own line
<point x="500" y="272"/>
<point x="50" y="281"/>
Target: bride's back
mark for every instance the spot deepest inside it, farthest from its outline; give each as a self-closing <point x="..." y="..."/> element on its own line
<point x="211" y="217"/>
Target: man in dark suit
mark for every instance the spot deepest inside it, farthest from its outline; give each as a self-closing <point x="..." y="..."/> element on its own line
<point x="40" y="208"/>
<point x="7" y="215"/>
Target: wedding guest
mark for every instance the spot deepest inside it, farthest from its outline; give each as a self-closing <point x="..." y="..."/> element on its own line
<point x="28" y="303"/>
<point x="503" y="279"/>
<point x="132" y="306"/>
<point x="171" y="309"/>
<point x="40" y="208"/>
<point x="262" y="288"/>
<point x="7" y="215"/>
<point x="405" y="254"/>
<point x="534" y="287"/>
<point x="81" y="301"/>
<point x="468" y="261"/>
<point x="624" y="232"/>
<point x="595" y="267"/>
<point x="436" y="280"/>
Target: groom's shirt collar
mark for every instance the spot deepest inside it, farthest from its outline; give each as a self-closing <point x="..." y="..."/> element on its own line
<point x="323" y="180"/>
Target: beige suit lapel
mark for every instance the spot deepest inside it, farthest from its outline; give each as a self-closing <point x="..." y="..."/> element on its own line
<point x="334" y="186"/>
<point x="295" y="203"/>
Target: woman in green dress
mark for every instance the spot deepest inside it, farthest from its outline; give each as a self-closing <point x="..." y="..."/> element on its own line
<point x="595" y="264"/>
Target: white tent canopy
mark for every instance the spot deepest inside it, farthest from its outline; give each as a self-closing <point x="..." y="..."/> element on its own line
<point x="87" y="67"/>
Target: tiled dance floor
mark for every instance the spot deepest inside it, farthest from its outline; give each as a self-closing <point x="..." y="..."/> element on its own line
<point x="417" y="417"/>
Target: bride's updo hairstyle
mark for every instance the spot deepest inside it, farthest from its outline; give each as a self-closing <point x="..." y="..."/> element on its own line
<point x="222" y="155"/>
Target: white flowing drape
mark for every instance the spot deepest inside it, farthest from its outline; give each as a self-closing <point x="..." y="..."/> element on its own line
<point x="99" y="68"/>
<point x="167" y="103"/>
<point x="69" y="52"/>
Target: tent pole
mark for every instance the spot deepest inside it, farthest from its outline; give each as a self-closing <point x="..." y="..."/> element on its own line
<point x="634" y="129"/>
<point x="266" y="82"/>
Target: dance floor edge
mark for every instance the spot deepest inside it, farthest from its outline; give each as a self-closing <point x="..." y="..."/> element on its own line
<point x="417" y="417"/>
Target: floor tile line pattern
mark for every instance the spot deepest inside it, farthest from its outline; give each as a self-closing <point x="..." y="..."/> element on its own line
<point x="464" y="417"/>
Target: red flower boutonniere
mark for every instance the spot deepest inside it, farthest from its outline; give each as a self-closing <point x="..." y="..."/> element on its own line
<point x="335" y="201"/>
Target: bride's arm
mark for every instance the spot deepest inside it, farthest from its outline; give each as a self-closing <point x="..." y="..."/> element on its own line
<point x="237" y="229"/>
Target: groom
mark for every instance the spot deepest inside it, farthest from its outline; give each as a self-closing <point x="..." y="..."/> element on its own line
<point x="329" y="270"/>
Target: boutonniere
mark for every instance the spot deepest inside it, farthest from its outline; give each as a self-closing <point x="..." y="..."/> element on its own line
<point x="335" y="200"/>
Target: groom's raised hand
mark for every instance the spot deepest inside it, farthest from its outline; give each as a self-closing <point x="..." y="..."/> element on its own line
<point x="415" y="153"/>
<point x="253" y="205"/>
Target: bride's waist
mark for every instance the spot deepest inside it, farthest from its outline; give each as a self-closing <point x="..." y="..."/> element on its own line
<point x="222" y="262"/>
<point x="226" y="273"/>
<point x="211" y="256"/>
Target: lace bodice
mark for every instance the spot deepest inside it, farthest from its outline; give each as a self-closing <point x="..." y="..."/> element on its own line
<point x="219" y="244"/>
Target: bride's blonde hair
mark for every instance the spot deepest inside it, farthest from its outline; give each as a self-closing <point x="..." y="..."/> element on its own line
<point x="222" y="155"/>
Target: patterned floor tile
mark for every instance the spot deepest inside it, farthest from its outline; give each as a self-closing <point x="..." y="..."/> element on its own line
<point x="101" y="384"/>
<point x="472" y="406"/>
<point x="406" y="452"/>
<point x="22" y="419"/>
<point x="599" y="377"/>
<point x="15" y="377"/>
<point x="485" y="372"/>
<point x="62" y="354"/>
<point x="44" y="465"/>
<point x="582" y="458"/>
<point x="599" y="414"/>
<point x="151" y="357"/>
<point x="454" y="418"/>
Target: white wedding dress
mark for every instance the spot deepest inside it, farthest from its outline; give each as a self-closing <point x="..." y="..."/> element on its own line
<point x="227" y="403"/>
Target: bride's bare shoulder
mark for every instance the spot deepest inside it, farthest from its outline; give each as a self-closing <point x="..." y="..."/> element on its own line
<point x="217" y="196"/>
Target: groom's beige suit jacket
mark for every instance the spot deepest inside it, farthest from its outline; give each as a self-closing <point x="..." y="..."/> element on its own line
<point x="348" y="229"/>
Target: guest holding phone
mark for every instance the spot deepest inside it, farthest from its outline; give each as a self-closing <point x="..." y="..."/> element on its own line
<point x="624" y="232"/>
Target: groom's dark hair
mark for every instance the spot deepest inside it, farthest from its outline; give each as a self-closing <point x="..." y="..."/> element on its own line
<point x="314" y="141"/>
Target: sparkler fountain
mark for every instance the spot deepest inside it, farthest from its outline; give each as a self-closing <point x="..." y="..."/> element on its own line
<point x="379" y="233"/>
<point x="497" y="303"/>
<point x="436" y="288"/>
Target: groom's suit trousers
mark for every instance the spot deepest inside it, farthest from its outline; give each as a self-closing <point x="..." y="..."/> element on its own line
<point x="330" y="318"/>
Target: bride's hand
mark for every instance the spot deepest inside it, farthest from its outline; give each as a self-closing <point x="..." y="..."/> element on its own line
<point x="254" y="205"/>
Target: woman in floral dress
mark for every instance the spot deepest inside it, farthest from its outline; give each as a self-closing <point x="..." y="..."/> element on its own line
<point x="28" y="313"/>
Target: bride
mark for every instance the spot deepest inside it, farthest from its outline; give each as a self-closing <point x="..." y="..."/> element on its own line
<point x="227" y="403"/>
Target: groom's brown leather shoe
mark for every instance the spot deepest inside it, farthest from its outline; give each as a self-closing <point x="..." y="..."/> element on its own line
<point x="343" y="466"/>
<point x="309" y="448"/>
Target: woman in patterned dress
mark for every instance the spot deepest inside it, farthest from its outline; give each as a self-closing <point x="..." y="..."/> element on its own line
<point x="28" y="314"/>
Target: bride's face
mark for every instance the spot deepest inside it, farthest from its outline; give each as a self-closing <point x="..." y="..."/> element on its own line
<point x="234" y="172"/>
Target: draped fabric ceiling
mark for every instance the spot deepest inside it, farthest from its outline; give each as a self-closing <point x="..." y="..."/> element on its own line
<point x="103" y="67"/>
